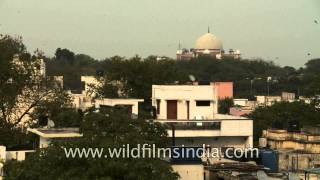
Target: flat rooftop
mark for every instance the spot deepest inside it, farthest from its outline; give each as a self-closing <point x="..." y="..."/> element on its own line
<point x="56" y="132"/>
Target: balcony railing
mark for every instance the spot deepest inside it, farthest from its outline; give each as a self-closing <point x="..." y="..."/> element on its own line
<point x="193" y="125"/>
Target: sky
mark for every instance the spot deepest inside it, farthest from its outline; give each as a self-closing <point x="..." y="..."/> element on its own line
<point x="283" y="31"/>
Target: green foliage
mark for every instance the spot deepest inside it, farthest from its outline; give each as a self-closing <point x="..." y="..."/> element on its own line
<point x="13" y="137"/>
<point x="224" y="105"/>
<point x="283" y="112"/>
<point x="67" y="118"/>
<point x="100" y="130"/>
<point x="24" y="92"/>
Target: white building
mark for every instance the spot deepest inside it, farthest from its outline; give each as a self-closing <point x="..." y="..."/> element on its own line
<point x="185" y="101"/>
<point x="88" y="99"/>
<point x="191" y="111"/>
<point x="133" y="104"/>
<point x="190" y="171"/>
<point x="47" y="135"/>
<point x="268" y="100"/>
<point x="191" y="115"/>
<point x="207" y="45"/>
<point x="90" y="83"/>
<point x="5" y="155"/>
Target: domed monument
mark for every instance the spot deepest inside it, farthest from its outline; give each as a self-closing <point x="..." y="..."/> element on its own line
<point x="207" y="45"/>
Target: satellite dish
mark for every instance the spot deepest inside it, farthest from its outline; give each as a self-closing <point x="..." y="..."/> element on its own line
<point x="50" y="124"/>
<point x="192" y="78"/>
<point x="218" y="56"/>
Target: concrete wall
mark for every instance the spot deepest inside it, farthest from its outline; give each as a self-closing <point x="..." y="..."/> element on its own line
<point x="281" y="139"/>
<point x="235" y="111"/>
<point x="44" y="142"/>
<point x="18" y="155"/>
<point x="268" y="100"/>
<point x="2" y="153"/>
<point x="239" y="131"/>
<point x="190" y="171"/>
<point x="134" y="103"/>
<point x="213" y="142"/>
<point x="89" y="82"/>
<point x="240" y="102"/>
<point x="290" y="160"/>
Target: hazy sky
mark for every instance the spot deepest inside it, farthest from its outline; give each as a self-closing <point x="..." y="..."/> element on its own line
<point x="279" y="30"/>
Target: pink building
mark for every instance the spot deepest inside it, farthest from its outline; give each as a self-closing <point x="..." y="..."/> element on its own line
<point x="225" y="89"/>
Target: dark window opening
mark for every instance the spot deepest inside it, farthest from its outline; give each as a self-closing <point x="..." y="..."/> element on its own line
<point x="158" y="106"/>
<point x="203" y="103"/>
<point x="188" y="110"/>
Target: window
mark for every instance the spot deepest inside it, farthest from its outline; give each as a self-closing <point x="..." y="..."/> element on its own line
<point x="158" y="106"/>
<point x="188" y="110"/>
<point x="203" y="103"/>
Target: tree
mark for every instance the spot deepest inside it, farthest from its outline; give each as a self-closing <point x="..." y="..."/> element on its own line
<point x="225" y="105"/>
<point x="25" y="93"/>
<point x="110" y="129"/>
<point x="24" y="86"/>
<point x="281" y="113"/>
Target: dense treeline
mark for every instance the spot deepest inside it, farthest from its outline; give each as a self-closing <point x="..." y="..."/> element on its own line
<point x="137" y="74"/>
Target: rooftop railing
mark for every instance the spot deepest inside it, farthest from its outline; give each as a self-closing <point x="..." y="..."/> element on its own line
<point x="193" y="125"/>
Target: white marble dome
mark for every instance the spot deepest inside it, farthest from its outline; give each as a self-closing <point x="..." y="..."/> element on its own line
<point x="209" y="41"/>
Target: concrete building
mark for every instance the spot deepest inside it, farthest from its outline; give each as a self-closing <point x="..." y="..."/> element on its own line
<point x="207" y="45"/>
<point x="190" y="171"/>
<point x="287" y="96"/>
<point x="90" y="83"/>
<point x="224" y="89"/>
<point x="48" y="135"/>
<point x="267" y="100"/>
<point x="185" y="101"/>
<point x="282" y="139"/>
<point x="297" y="150"/>
<point x="240" y="111"/>
<point x="242" y="107"/>
<point x="132" y="104"/>
<point x="192" y="110"/>
<point x="88" y="99"/>
<point x="8" y="155"/>
<point x="190" y="113"/>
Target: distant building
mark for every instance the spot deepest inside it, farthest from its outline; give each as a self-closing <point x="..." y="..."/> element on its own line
<point x="267" y="100"/>
<point x="242" y="107"/>
<point x="240" y="111"/>
<point x="87" y="98"/>
<point x="207" y="45"/>
<point x="287" y="96"/>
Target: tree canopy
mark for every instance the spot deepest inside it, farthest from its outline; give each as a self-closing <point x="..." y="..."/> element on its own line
<point x="101" y="130"/>
<point x="280" y="114"/>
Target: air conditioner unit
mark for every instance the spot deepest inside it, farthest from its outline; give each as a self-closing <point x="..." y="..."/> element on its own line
<point x="198" y="117"/>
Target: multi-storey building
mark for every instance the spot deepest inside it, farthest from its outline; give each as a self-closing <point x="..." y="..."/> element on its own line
<point x="191" y="113"/>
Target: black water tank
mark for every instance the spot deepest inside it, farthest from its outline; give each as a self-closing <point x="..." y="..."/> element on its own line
<point x="43" y="120"/>
<point x="204" y="82"/>
<point x="100" y="72"/>
<point x="293" y="126"/>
